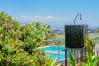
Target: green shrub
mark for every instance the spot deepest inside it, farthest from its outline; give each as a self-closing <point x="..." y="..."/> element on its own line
<point x="18" y="44"/>
<point x="89" y="45"/>
<point x="90" y="61"/>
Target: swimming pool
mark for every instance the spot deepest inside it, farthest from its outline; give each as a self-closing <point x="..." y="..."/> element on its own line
<point x="52" y="51"/>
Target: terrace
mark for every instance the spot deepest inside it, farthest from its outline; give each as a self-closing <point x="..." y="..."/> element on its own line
<point x="35" y="44"/>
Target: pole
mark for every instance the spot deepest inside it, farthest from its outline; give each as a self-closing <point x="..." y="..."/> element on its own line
<point x="58" y="53"/>
<point x="76" y="17"/>
<point x="65" y="57"/>
<point x="81" y="55"/>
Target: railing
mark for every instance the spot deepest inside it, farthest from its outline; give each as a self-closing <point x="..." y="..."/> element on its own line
<point x="80" y="57"/>
<point x="97" y="52"/>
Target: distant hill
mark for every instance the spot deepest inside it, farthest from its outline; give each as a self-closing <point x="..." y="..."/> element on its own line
<point x="59" y="25"/>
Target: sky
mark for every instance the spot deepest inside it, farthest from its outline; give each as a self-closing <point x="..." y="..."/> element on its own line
<point x="56" y="13"/>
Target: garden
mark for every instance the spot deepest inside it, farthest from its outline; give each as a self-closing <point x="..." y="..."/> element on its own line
<point x="19" y="44"/>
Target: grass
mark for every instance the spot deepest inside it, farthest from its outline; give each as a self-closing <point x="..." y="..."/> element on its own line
<point x="93" y="35"/>
<point x="61" y="37"/>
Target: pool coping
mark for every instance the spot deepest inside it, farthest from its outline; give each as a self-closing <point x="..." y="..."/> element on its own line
<point x="44" y="46"/>
<point x="47" y="46"/>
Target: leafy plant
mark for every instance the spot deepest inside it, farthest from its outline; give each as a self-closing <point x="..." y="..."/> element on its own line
<point x="18" y="44"/>
<point x="90" y="61"/>
<point x="72" y="60"/>
<point x="89" y="45"/>
<point x="50" y="62"/>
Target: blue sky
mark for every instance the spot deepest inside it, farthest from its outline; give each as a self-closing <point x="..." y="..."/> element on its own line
<point x="56" y="13"/>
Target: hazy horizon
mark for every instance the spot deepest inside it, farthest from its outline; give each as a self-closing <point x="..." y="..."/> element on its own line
<point x="56" y="13"/>
<point x="60" y="25"/>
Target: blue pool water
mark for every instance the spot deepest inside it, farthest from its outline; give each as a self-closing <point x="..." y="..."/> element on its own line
<point x="52" y="51"/>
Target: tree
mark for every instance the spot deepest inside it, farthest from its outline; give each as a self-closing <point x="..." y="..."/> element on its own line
<point x="15" y="39"/>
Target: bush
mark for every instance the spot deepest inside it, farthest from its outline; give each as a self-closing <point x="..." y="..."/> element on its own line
<point x="18" y="44"/>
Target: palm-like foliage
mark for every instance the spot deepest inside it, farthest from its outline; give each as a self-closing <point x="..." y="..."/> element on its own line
<point x="72" y="60"/>
<point x="90" y="61"/>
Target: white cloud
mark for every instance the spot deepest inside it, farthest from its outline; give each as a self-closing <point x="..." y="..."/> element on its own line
<point x="52" y="18"/>
<point x="26" y="17"/>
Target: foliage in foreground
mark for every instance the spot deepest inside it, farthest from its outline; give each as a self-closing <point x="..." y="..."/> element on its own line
<point x="72" y="60"/>
<point x="18" y="44"/>
<point x="90" y="61"/>
<point x="89" y="58"/>
<point x="89" y="44"/>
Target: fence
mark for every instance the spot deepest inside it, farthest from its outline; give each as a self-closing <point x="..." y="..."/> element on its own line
<point x="79" y="57"/>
